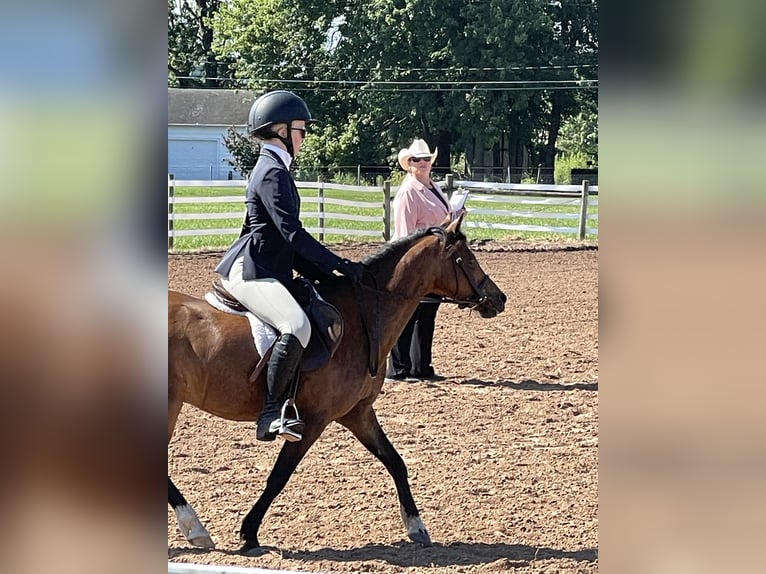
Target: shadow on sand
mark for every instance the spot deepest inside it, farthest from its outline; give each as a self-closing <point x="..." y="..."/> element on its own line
<point x="530" y="385"/>
<point x="406" y="554"/>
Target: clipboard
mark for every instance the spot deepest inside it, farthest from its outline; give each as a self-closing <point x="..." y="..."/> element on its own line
<point x="458" y="199"/>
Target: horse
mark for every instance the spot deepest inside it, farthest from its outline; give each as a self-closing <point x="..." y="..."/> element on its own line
<point x="211" y="356"/>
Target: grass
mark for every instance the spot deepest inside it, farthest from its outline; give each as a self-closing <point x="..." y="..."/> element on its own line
<point x="222" y="241"/>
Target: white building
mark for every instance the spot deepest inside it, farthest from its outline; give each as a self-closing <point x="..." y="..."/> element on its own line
<point x="197" y="124"/>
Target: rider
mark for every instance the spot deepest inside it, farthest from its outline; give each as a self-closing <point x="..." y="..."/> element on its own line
<point x="258" y="267"/>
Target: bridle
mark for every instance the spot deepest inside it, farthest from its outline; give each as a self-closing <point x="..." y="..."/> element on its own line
<point x="472" y="302"/>
<point x="481" y="296"/>
<point x="373" y="330"/>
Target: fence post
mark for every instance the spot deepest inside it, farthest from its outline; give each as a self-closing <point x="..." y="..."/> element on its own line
<point x="583" y="210"/>
<point x="358" y="174"/>
<point x="171" y="196"/>
<point x="321" y="211"/>
<point x="387" y="210"/>
<point x="450" y="179"/>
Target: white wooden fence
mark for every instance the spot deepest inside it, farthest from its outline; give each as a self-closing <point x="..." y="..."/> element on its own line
<point x="529" y="194"/>
<point x="481" y="199"/>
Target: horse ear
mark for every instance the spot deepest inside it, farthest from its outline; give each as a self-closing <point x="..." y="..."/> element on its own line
<point x="454" y="227"/>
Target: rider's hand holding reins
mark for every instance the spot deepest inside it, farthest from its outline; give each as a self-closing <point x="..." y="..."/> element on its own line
<point x="353" y="270"/>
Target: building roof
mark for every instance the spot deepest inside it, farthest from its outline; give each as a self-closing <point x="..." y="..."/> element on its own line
<point x="209" y="107"/>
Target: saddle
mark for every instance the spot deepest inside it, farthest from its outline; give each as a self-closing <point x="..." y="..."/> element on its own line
<point x="326" y="323"/>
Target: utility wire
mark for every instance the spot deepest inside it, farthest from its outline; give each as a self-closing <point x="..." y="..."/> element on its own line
<point x="370" y="89"/>
<point x="516" y="89"/>
<point x="429" y="82"/>
<point x="367" y="84"/>
<point x="408" y="69"/>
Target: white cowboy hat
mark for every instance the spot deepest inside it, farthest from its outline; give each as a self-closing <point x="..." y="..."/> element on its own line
<point x="418" y="148"/>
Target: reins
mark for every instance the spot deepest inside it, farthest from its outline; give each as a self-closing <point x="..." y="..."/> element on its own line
<point x="373" y="335"/>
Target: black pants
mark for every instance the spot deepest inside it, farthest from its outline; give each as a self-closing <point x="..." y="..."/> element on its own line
<point x="412" y="352"/>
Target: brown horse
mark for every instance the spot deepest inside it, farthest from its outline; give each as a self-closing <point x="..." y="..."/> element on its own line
<point x="211" y="356"/>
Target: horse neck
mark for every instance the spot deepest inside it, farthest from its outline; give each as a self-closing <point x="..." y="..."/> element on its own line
<point x="402" y="282"/>
<point x="411" y="273"/>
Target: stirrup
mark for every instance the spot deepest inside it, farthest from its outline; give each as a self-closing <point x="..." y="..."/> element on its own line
<point x="290" y="429"/>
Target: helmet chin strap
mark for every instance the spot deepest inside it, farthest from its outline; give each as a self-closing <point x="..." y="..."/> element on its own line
<point x="288" y="141"/>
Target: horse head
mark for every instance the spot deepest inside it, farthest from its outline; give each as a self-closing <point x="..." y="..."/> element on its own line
<point x="462" y="280"/>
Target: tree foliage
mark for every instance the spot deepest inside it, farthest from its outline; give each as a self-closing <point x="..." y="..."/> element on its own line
<point x="244" y="151"/>
<point x="192" y="63"/>
<point x="579" y="134"/>
<point x="472" y="77"/>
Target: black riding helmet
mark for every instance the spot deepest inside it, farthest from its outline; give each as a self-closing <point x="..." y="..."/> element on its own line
<point x="279" y="106"/>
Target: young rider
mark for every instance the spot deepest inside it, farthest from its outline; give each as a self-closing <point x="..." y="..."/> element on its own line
<point x="259" y="265"/>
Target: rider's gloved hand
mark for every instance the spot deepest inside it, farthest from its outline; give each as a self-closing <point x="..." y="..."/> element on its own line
<point x="352" y="270"/>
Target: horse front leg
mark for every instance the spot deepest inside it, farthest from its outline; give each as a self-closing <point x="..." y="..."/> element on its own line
<point x="287" y="461"/>
<point x="363" y="423"/>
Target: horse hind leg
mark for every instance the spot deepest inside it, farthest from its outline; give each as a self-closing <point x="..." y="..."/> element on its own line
<point x="188" y="521"/>
<point x="363" y="423"/>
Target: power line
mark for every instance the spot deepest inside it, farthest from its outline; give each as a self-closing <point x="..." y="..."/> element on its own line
<point x="416" y="69"/>
<point x="435" y="84"/>
<point x="510" y="89"/>
<point x="591" y="86"/>
<point x="364" y="83"/>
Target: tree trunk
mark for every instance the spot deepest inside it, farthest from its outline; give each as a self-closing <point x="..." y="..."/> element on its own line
<point x="515" y="150"/>
<point x="444" y="144"/>
<point x="548" y="155"/>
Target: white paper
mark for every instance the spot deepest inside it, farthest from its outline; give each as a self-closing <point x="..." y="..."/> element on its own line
<point x="457" y="201"/>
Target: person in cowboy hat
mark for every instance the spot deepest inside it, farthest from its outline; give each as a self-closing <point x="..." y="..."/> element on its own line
<point x="418" y="203"/>
<point x="259" y="265"/>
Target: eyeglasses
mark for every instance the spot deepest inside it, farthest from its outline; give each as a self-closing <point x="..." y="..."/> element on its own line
<point x="301" y="131"/>
<point x="419" y="159"/>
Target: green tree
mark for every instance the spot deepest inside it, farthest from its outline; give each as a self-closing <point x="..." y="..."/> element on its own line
<point x="273" y="44"/>
<point x="244" y="151"/>
<point x="466" y="76"/>
<point x="572" y="50"/>
<point x="425" y="66"/>
<point x="579" y="134"/>
<point x="192" y="63"/>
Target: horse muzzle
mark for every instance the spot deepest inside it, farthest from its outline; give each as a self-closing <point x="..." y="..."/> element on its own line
<point x="493" y="302"/>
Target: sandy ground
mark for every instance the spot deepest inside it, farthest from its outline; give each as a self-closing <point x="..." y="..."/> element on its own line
<point x="502" y="455"/>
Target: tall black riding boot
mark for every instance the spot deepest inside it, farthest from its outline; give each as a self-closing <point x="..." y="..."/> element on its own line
<point x="282" y="370"/>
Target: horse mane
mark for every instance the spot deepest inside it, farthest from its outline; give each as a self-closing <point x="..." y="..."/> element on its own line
<point x="397" y="248"/>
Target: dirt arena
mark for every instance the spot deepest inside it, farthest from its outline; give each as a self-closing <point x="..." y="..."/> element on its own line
<point x="502" y="455"/>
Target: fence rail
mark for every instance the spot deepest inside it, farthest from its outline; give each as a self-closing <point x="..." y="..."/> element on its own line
<point x="482" y="196"/>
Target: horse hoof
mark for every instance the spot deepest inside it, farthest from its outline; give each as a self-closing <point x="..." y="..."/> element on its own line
<point x="253" y="550"/>
<point x="421" y="537"/>
<point x="416" y="530"/>
<point x="203" y="541"/>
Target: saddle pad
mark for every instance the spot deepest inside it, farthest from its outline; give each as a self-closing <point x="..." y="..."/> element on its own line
<point x="264" y="334"/>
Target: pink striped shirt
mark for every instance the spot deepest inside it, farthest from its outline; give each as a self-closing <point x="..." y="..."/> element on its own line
<point x="416" y="207"/>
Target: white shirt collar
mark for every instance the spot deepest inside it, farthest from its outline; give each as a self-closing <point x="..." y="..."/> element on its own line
<point x="283" y="155"/>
